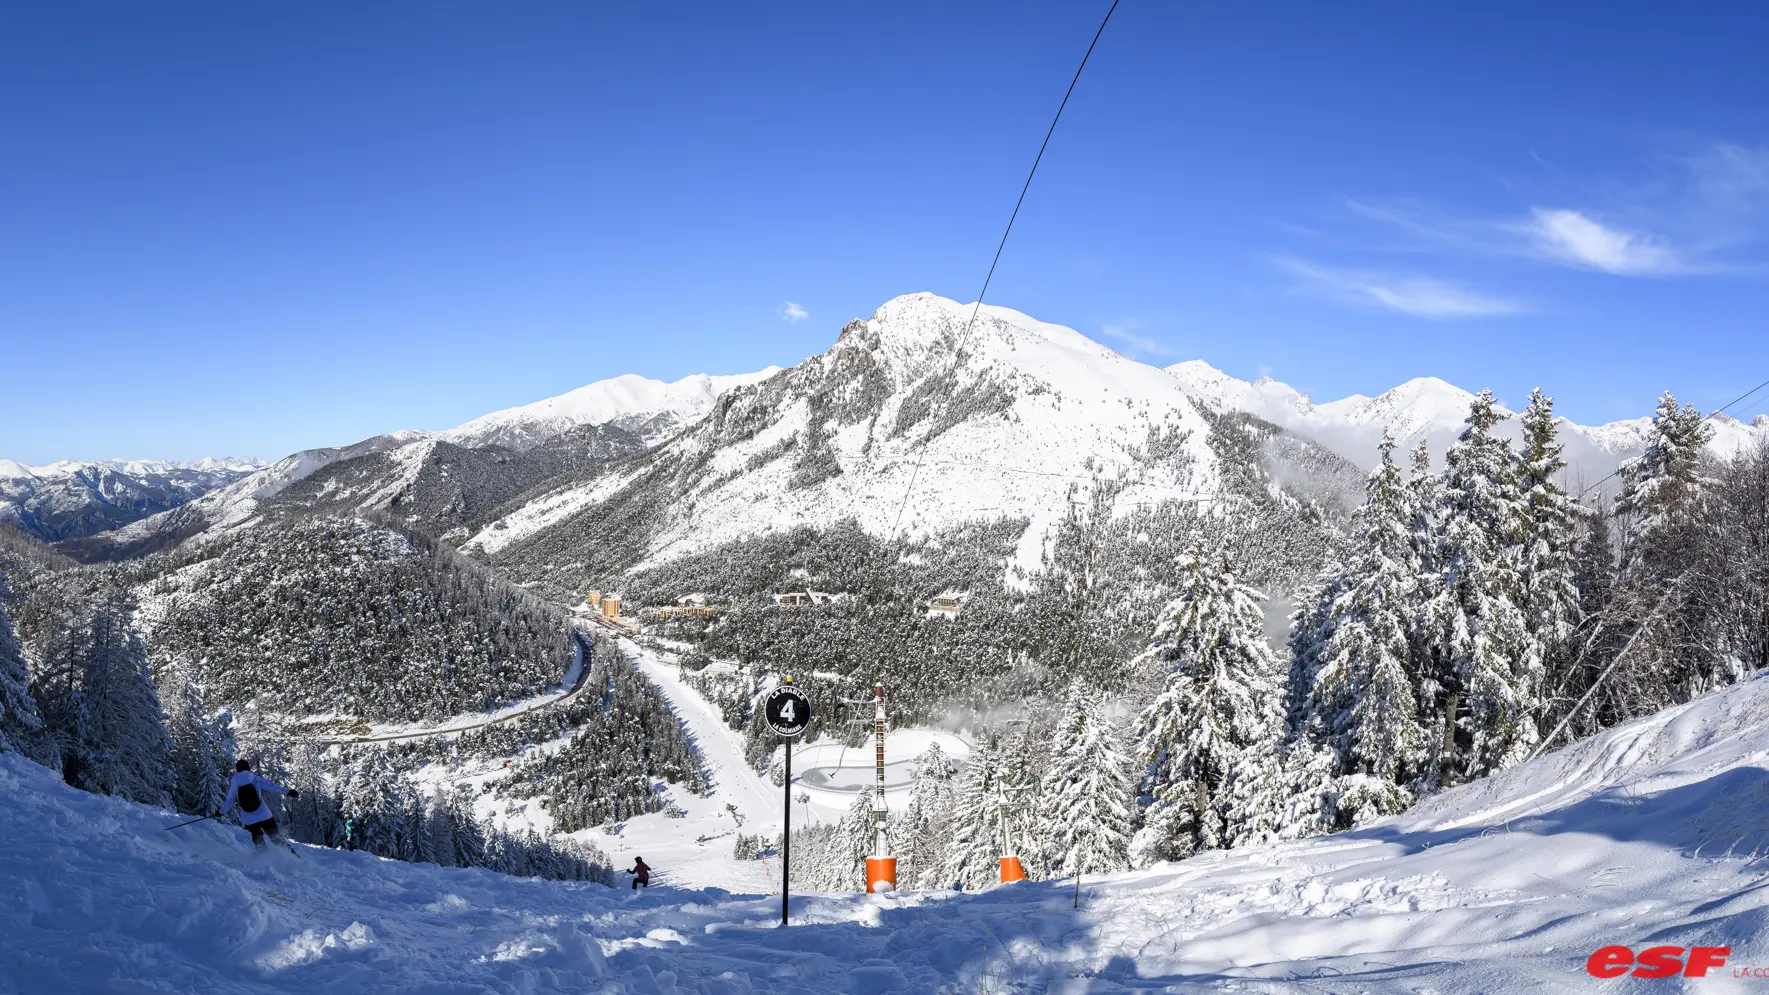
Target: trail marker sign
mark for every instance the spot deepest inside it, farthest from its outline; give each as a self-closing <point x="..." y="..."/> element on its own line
<point x="787" y="711"/>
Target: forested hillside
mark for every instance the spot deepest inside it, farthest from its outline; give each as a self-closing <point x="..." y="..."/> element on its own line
<point x="341" y="615"/>
<point x="146" y="679"/>
<point x="1477" y="616"/>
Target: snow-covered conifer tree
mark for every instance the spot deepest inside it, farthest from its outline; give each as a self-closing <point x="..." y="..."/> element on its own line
<point x="970" y="835"/>
<point x="202" y="748"/>
<point x="1087" y="792"/>
<point x="1484" y="660"/>
<point x="1677" y="577"/>
<point x="1364" y="703"/>
<point x="1311" y="626"/>
<point x="121" y="747"/>
<point x="372" y="796"/>
<point x="914" y="841"/>
<point x="18" y="710"/>
<point x="1221" y="699"/>
<point x="1550" y="597"/>
<point x="1662" y="488"/>
<point x="1425" y="508"/>
<point x="842" y="866"/>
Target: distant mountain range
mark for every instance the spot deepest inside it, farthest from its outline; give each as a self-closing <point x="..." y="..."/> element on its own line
<point x="1430" y="409"/>
<point x="71" y="499"/>
<point x="1032" y="416"/>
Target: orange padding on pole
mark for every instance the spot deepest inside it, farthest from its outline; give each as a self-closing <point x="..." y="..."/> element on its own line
<point x="1011" y="870"/>
<point x="881" y="874"/>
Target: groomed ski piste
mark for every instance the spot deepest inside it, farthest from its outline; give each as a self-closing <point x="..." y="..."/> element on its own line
<point x="1650" y="834"/>
<point x="693" y="849"/>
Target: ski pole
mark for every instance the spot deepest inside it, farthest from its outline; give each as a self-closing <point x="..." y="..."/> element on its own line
<point x="181" y="825"/>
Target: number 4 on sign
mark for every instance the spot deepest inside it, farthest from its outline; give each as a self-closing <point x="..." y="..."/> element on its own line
<point x="787" y="712"/>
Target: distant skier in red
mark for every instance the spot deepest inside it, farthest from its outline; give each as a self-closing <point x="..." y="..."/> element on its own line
<point x="641" y="873"/>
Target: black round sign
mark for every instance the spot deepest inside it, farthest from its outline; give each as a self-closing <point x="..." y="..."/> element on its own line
<point x="787" y="711"/>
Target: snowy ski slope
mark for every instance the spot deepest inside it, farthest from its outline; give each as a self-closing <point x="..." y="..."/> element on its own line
<point x="1649" y="834"/>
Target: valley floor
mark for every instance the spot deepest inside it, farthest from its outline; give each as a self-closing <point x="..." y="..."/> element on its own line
<point x="1650" y="834"/>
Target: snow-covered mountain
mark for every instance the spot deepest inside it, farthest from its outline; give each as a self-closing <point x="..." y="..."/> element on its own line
<point x="650" y="409"/>
<point x="1425" y="408"/>
<point x="1035" y="411"/>
<point x="444" y="479"/>
<point x="69" y="499"/>
<point x="885" y="430"/>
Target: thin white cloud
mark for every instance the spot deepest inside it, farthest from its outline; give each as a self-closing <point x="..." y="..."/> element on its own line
<point x="1125" y="333"/>
<point x="1693" y="215"/>
<point x="1732" y="176"/>
<point x="1574" y="239"/>
<point x="794" y="312"/>
<point x="1420" y="296"/>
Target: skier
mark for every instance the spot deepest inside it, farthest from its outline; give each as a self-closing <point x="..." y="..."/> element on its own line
<point x="246" y="790"/>
<point x="641" y="873"/>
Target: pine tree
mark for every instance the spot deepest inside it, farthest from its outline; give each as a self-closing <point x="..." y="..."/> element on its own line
<point x="373" y="798"/>
<point x="1017" y="784"/>
<point x="1086" y="795"/>
<point x="1550" y="594"/>
<point x="970" y="834"/>
<point x="1364" y="703"/>
<point x="1221" y="700"/>
<point x="914" y="840"/>
<point x="1677" y="584"/>
<point x="1483" y="659"/>
<point x="202" y="748"/>
<point x="1663" y="488"/>
<point x="843" y="865"/>
<point x="1594" y="563"/>
<point x="1311" y="628"/>
<point x="19" y="722"/>
<point x="120" y="746"/>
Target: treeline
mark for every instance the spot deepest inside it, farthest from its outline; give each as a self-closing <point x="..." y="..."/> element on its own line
<point x="359" y="799"/>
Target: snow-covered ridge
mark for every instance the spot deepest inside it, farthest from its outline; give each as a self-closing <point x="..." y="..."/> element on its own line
<point x="653" y="408"/>
<point x="73" y="498"/>
<point x="11" y="469"/>
<point x="1429" y="409"/>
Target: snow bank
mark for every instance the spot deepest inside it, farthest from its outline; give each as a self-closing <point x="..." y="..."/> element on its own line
<point x="1648" y="835"/>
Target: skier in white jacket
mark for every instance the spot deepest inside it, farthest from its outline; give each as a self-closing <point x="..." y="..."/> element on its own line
<point x="247" y="791"/>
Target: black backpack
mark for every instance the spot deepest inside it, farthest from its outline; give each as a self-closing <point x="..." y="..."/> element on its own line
<point x="248" y="796"/>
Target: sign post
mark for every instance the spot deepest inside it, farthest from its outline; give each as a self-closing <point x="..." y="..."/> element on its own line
<point x="788" y="712"/>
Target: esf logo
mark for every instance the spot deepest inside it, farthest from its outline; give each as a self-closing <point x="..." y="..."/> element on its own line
<point x="1656" y="962"/>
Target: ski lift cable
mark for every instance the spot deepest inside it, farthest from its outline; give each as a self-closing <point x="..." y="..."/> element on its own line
<point x="958" y="349"/>
<point x="1740" y="399"/>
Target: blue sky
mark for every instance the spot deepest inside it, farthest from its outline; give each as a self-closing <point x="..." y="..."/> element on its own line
<point x="249" y="229"/>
